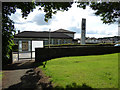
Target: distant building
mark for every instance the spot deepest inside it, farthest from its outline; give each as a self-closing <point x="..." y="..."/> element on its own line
<point x="114" y="39"/>
<point x="91" y="40"/>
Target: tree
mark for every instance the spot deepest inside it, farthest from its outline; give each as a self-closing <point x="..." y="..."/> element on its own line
<point x="109" y="11"/>
<point x="26" y="7"/>
<point x="8" y="26"/>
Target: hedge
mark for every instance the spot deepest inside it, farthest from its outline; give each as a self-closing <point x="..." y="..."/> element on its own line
<point x="43" y="54"/>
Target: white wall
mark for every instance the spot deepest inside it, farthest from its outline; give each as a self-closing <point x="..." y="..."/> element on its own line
<point x="37" y="44"/>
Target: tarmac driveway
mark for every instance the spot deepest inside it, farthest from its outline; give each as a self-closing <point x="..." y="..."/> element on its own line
<point x="13" y="73"/>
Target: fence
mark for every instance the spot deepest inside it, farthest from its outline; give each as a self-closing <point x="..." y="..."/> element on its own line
<point x="18" y="56"/>
<point x="43" y="54"/>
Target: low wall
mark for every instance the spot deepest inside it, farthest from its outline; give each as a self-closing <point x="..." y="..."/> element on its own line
<point x="43" y="54"/>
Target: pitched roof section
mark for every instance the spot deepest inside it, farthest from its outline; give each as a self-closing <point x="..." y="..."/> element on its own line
<point x="35" y="34"/>
<point x="64" y="31"/>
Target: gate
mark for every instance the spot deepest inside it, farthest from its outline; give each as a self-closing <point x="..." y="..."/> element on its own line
<point x="26" y="55"/>
<point x="26" y="49"/>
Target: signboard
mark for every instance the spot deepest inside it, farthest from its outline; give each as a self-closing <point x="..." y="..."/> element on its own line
<point x="37" y="44"/>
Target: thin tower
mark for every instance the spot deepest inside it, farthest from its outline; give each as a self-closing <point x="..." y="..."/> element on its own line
<point x="83" y="31"/>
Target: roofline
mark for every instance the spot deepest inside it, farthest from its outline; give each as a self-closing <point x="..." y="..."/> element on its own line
<point x="44" y="32"/>
<point x="64" y="32"/>
<point x="67" y="31"/>
<point x="43" y="37"/>
<point x="19" y="35"/>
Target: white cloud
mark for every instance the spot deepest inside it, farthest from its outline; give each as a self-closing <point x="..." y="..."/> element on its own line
<point x="70" y="20"/>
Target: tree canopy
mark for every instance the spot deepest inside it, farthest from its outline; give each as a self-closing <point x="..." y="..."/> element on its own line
<point x="109" y="11"/>
<point x="8" y="29"/>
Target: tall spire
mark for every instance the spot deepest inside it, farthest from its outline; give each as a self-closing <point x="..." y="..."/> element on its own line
<point x="83" y="31"/>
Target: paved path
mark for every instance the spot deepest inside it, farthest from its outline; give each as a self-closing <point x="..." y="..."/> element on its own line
<point x="12" y="73"/>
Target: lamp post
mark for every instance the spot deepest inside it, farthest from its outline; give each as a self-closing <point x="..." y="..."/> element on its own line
<point x="118" y="26"/>
<point x="49" y="37"/>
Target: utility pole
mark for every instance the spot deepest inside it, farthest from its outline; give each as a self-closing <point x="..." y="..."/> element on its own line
<point x="49" y="37"/>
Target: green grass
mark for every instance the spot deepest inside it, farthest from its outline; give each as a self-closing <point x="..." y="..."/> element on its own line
<point x="96" y="71"/>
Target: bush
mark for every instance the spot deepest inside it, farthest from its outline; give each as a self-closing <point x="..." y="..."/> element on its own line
<point x="15" y="48"/>
<point x="74" y="45"/>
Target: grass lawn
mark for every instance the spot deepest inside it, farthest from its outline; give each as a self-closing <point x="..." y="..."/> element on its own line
<point x="96" y="71"/>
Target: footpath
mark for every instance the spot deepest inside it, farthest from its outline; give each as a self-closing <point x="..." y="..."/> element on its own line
<point x="24" y="75"/>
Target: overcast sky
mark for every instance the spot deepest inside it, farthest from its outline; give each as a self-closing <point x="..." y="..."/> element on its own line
<point x="69" y="20"/>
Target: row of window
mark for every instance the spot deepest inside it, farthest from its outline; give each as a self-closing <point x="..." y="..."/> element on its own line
<point x="58" y="41"/>
<point x="26" y="45"/>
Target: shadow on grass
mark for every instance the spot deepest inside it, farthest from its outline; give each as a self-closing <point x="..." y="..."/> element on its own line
<point x="33" y="80"/>
<point x="74" y="86"/>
